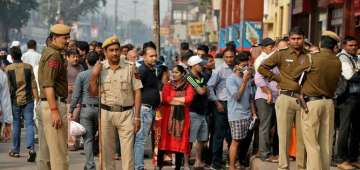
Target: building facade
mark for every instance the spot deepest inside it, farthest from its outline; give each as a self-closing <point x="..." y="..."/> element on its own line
<point x="241" y="22"/>
<point x="316" y="16"/>
<point x="277" y="18"/>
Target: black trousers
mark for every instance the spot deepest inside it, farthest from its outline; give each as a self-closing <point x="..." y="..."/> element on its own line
<point x="349" y="130"/>
<point x="221" y="131"/>
<point x="267" y="139"/>
<point x="178" y="159"/>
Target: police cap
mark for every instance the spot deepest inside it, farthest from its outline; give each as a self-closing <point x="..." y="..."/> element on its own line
<point x="60" y="29"/>
<point x="111" y="40"/>
<point x="332" y="35"/>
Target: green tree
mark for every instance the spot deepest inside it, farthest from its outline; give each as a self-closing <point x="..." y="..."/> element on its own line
<point x="205" y="5"/>
<point x="14" y="14"/>
<point x="68" y="10"/>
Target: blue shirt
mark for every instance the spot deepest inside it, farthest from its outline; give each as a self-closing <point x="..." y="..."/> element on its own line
<point x="237" y="109"/>
<point x="217" y="81"/>
<point x="81" y="93"/>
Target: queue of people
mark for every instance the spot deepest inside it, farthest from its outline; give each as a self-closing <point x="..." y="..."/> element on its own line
<point x="251" y="102"/>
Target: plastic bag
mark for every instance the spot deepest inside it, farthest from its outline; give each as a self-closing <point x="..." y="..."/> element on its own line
<point x="76" y="129"/>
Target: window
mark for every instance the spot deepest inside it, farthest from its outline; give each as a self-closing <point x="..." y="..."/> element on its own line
<point x="177" y="15"/>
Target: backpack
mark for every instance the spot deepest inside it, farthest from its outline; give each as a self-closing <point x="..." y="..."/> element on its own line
<point x="342" y="89"/>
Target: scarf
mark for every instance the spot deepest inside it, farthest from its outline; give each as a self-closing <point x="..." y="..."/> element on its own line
<point x="177" y="112"/>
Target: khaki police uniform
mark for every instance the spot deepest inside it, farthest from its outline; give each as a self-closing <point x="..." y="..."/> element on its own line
<point x="52" y="73"/>
<point x="318" y="124"/>
<point x="117" y="101"/>
<point x="287" y="109"/>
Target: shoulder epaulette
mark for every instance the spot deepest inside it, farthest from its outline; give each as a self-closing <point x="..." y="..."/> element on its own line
<point x="281" y="49"/>
<point x="315" y="52"/>
<point x="128" y="62"/>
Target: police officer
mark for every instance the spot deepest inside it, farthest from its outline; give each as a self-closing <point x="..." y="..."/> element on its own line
<point x="120" y="90"/>
<point x="318" y="90"/>
<point x="286" y="106"/>
<point x="53" y="127"/>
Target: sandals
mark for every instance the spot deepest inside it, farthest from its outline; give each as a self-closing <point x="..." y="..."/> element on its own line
<point x="14" y="155"/>
<point x="32" y="156"/>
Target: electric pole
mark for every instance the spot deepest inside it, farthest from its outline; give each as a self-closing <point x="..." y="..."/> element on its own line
<point x="116" y="16"/>
<point x="156" y="24"/>
<point x="135" y="4"/>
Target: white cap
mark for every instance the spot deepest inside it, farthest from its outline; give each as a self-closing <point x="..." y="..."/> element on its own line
<point x="15" y="44"/>
<point x="196" y="60"/>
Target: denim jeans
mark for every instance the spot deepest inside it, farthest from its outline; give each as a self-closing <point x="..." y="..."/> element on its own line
<point x="147" y="116"/>
<point x="28" y="113"/>
<point x="89" y="117"/>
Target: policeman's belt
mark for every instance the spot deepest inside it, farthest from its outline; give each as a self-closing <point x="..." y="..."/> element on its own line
<point x="115" y="108"/>
<point x="61" y="99"/>
<point x="89" y="105"/>
<point x="290" y="93"/>
<point x="314" y="98"/>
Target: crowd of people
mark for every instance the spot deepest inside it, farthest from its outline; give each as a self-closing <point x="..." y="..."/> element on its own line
<point x="282" y="95"/>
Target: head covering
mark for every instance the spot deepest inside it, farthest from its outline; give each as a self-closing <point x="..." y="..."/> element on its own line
<point x="196" y="60"/>
<point x="332" y="35"/>
<point x="111" y="40"/>
<point x="15" y="44"/>
<point x="3" y="51"/>
<point x="267" y="41"/>
<point x="60" y="29"/>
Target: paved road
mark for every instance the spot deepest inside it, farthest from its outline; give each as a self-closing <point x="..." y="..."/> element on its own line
<point x="77" y="161"/>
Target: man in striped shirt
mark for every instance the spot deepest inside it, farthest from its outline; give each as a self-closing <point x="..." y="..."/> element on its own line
<point x="23" y="90"/>
<point x="199" y="127"/>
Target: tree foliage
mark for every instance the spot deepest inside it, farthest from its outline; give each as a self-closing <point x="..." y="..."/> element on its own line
<point x="68" y="10"/>
<point x="13" y="15"/>
<point x="16" y="13"/>
<point x="204" y="4"/>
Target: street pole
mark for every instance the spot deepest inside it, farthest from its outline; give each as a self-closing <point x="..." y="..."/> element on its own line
<point x="116" y="16"/>
<point x="135" y="12"/>
<point x="156" y="25"/>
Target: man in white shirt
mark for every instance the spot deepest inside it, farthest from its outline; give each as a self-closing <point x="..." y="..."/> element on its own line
<point x="31" y="56"/>
<point x="267" y="48"/>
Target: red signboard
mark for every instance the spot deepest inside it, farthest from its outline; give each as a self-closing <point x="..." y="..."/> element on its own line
<point x="223" y="14"/>
<point x="237" y="4"/>
<point x="337" y="1"/>
<point x="229" y="13"/>
<point x="300" y="6"/>
<point x="356" y="7"/>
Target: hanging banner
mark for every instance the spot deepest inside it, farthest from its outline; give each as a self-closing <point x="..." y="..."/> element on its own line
<point x="196" y="29"/>
<point x="222" y="38"/>
<point x="235" y="34"/>
<point x="252" y="34"/>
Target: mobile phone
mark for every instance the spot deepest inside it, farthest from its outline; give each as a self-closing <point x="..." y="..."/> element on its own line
<point x="253" y="123"/>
